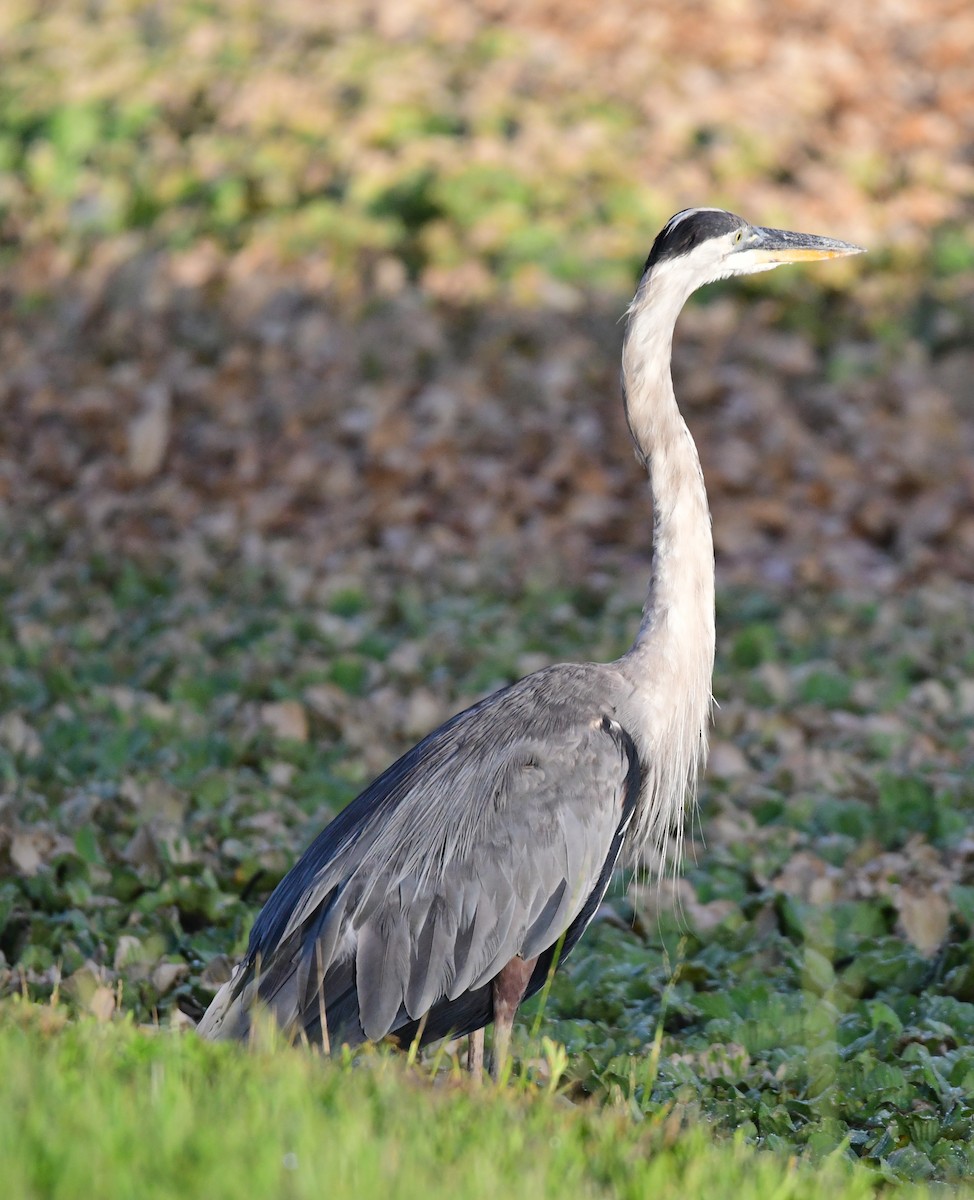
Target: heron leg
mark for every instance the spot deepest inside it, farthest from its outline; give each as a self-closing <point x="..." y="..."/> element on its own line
<point x="509" y="987"/>
<point x="475" y="1055"/>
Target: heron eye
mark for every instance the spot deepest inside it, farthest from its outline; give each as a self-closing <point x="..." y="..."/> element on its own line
<point x="738" y="237"/>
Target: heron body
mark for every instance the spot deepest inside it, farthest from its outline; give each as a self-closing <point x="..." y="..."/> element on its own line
<point x="441" y="896"/>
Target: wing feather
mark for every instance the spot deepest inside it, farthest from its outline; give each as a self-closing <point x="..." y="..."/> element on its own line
<point x="381" y="968"/>
<point x="431" y="960"/>
<point x="472" y="949"/>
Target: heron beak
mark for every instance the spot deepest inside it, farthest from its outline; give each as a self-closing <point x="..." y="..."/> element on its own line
<point x="773" y="246"/>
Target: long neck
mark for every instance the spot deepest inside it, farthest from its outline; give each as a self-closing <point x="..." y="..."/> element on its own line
<point x="671" y="661"/>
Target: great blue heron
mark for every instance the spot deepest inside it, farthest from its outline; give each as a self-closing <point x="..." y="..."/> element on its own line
<point x="439" y="898"/>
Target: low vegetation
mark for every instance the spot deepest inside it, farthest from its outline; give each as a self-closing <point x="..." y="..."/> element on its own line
<point x="163" y="1116"/>
<point x="808" y="981"/>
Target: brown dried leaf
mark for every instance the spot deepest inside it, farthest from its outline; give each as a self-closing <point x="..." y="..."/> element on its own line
<point x="149" y="433"/>
<point x="925" y="916"/>
<point x="166" y="975"/>
<point x="727" y="761"/>
<point x="102" y="1004"/>
<point x="808" y="877"/>
<point x="286" y="719"/>
<point x="28" y="848"/>
<point x="19" y="737"/>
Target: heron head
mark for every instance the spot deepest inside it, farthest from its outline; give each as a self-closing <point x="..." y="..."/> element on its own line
<point x="701" y="245"/>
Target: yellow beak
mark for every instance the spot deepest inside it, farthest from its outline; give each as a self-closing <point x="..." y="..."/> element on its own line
<point x="783" y="246"/>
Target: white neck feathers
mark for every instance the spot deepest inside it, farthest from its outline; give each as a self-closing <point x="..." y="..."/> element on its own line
<point x="671" y="662"/>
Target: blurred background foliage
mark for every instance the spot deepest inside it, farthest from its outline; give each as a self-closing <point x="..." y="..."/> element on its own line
<point x="489" y="140"/>
<point x="247" y="256"/>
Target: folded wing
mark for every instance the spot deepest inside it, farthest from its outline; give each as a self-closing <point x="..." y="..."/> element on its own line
<point x="494" y="837"/>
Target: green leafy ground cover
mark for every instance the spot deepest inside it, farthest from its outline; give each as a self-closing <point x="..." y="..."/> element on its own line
<point x="810" y="985"/>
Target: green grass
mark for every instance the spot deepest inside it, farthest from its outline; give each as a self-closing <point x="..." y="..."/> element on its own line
<point x="112" y="1111"/>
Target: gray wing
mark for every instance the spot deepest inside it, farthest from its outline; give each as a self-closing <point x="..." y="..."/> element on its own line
<point x="485" y="842"/>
